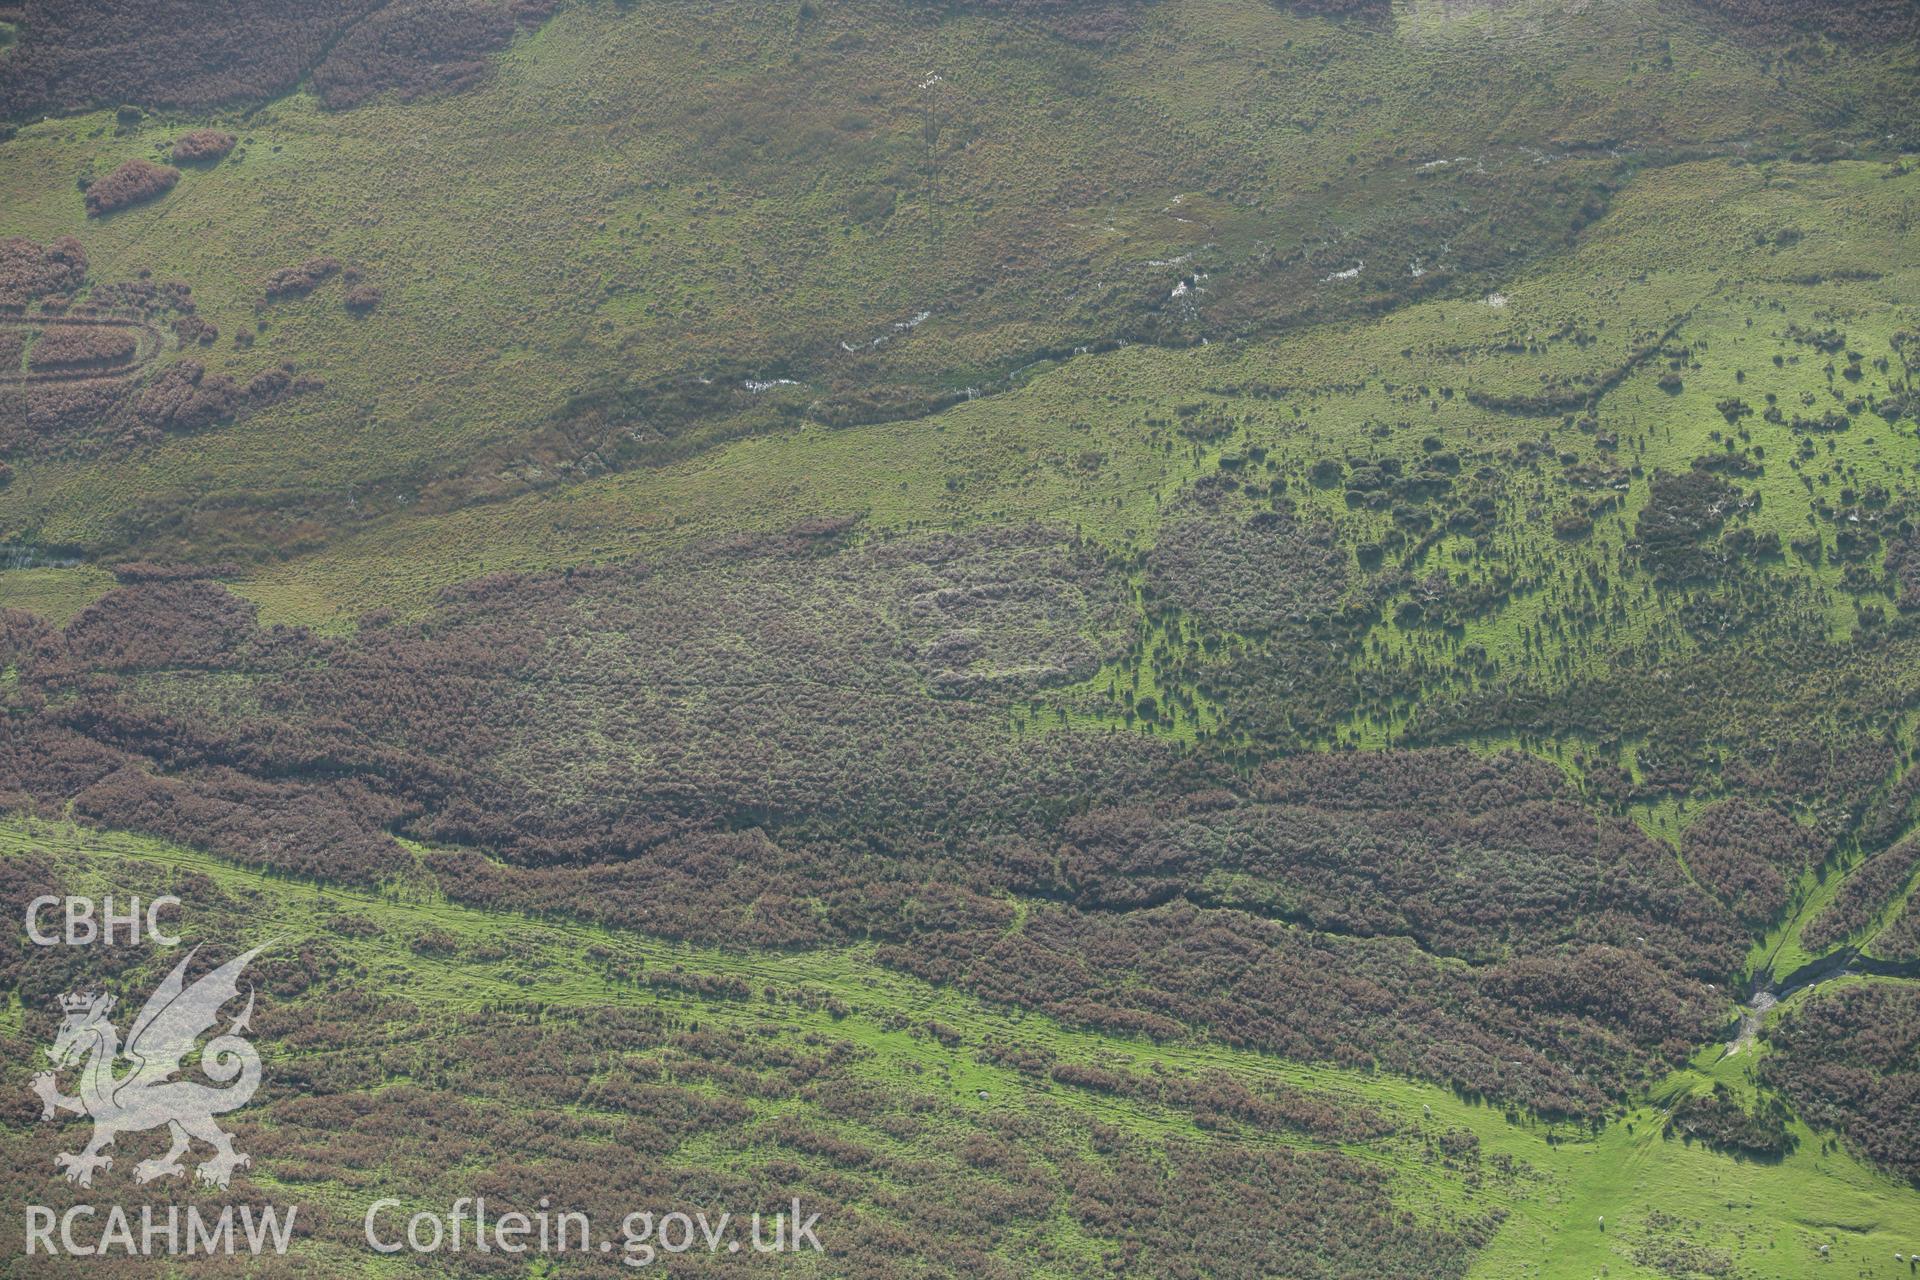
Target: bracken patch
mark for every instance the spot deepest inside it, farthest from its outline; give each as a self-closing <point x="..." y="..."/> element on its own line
<point x="132" y="183"/>
<point x="301" y="280"/>
<point x="413" y="48"/>
<point x="796" y="741"/>
<point x="1849" y="1059"/>
<point x="30" y="272"/>
<point x="1866" y="893"/>
<point x="195" y="54"/>
<point x="76" y="346"/>
<point x="202" y="146"/>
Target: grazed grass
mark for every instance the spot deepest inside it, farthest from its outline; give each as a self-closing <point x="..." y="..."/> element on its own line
<point x="644" y="191"/>
<point x="55" y="593"/>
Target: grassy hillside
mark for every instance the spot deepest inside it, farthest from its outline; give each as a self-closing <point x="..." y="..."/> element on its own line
<point x="1186" y="638"/>
<point x="642" y="198"/>
<point x="904" y="1076"/>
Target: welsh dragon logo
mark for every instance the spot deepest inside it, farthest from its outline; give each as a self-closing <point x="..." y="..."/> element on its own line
<point x="148" y="1096"/>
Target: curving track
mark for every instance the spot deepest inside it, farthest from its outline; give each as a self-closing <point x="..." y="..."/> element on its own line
<point x="149" y="342"/>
